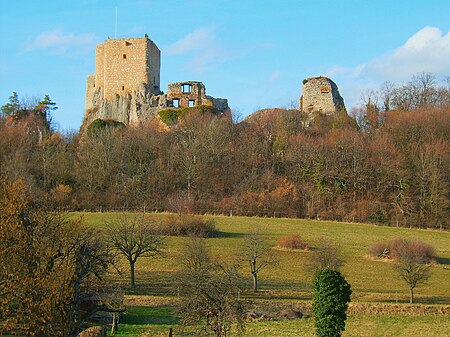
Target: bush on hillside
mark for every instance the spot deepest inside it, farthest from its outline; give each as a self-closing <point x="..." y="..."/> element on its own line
<point x="293" y="242"/>
<point x="101" y="124"/>
<point x="397" y="249"/>
<point x="187" y="225"/>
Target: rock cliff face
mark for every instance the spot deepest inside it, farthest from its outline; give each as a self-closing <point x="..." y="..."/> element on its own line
<point x="131" y="107"/>
<point x="320" y="95"/>
<point x="142" y="105"/>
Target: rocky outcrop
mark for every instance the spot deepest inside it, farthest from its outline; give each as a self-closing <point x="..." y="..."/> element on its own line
<point x="142" y="105"/>
<point x="128" y="108"/>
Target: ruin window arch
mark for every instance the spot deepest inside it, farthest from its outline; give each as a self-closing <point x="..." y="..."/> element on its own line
<point x="176" y="103"/>
<point x="186" y="88"/>
<point x="124" y="56"/>
<point x="191" y="103"/>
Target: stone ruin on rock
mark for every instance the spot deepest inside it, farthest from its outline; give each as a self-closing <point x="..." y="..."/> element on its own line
<point x="126" y="84"/>
<point x="320" y="95"/>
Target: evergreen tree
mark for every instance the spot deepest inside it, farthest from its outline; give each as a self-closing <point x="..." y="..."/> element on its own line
<point x="9" y="108"/>
<point x="45" y="106"/>
<point x="330" y="302"/>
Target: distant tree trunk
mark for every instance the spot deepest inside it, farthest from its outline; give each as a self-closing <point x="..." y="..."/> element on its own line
<point x="411" y="292"/>
<point x="115" y="323"/>
<point x="132" y="274"/>
<point x="255" y="282"/>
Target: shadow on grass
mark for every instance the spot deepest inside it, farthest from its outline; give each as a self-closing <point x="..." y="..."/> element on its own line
<point x="150" y="315"/>
<point x="443" y="260"/>
<point x="228" y="235"/>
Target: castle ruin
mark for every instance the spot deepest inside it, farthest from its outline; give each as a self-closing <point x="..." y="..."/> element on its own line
<point x="193" y="93"/>
<point x="320" y="95"/>
<point x="126" y="84"/>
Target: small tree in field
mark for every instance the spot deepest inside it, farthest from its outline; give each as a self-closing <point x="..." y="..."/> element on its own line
<point x="209" y="291"/>
<point x="411" y="264"/>
<point x="327" y="256"/>
<point x="330" y="302"/>
<point x="257" y="252"/>
<point x="133" y="238"/>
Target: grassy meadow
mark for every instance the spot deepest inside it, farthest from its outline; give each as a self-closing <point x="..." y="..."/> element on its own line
<point x="374" y="283"/>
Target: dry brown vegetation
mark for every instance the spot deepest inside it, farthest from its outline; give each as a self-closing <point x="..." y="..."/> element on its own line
<point x="293" y="242"/>
<point x="396" y="249"/>
<point x="382" y="166"/>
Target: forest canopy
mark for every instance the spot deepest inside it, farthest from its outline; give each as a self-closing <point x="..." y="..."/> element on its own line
<point x="388" y="162"/>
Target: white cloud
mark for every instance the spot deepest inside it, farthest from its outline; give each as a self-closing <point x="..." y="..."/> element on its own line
<point x="204" y="49"/>
<point x="428" y="50"/>
<point x="58" y="42"/>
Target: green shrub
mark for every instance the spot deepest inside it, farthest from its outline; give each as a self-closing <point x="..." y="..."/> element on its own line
<point x="100" y="124"/>
<point x="330" y="302"/>
<point x="173" y="115"/>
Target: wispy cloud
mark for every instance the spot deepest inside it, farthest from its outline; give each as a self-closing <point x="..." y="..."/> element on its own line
<point x="274" y="76"/>
<point x="203" y="47"/>
<point x="59" y="42"/>
<point x="428" y="50"/>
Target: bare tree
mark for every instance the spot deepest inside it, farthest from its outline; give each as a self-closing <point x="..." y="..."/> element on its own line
<point x="209" y="291"/>
<point x="133" y="237"/>
<point x="180" y="202"/>
<point x="412" y="268"/>
<point x="258" y="253"/>
<point x="326" y="256"/>
<point x="112" y="298"/>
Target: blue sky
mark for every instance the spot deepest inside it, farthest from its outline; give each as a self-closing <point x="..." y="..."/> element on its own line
<point x="255" y="53"/>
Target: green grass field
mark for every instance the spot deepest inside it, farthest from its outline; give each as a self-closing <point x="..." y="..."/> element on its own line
<point x="289" y="283"/>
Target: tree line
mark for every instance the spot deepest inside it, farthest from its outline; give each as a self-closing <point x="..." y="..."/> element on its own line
<point x="386" y="162"/>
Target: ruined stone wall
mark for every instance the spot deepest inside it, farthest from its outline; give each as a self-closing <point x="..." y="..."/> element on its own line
<point x="186" y="92"/>
<point x="193" y="93"/>
<point x="122" y="65"/>
<point x="320" y="94"/>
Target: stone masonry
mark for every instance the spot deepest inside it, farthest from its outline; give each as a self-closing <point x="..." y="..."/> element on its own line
<point x="123" y="64"/>
<point x="320" y="95"/>
<point x="126" y="84"/>
<point x="193" y="93"/>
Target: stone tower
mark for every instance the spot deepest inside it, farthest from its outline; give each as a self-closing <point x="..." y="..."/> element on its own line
<point x="127" y="76"/>
<point x="126" y="84"/>
<point x="122" y="65"/>
<point x="320" y="95"/>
